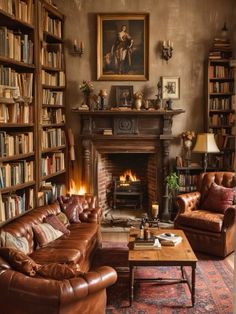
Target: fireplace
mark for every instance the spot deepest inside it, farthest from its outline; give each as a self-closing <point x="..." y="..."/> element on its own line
<point x="137" y="140"/>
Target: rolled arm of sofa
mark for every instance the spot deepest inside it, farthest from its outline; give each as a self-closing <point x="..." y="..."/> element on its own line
<point x="229" y="217"/>
<point x="90" y="215"/>
<point x="187" y="202"/>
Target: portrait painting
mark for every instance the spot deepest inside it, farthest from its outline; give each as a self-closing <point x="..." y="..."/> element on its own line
<point x="170" y="87"/>
<point x="122" y="46"/>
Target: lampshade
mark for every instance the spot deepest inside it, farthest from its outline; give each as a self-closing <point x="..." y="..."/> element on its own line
<point x="205" y="144"/>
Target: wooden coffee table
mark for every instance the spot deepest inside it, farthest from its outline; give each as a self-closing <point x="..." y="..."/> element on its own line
<point x="180" y="255"/>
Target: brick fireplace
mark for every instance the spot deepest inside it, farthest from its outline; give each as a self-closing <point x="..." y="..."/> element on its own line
<point x="116" y="140"/>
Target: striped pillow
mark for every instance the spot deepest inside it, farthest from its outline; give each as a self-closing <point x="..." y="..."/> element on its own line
<point x="10" y="241"/>
<point x="45" y="233"/>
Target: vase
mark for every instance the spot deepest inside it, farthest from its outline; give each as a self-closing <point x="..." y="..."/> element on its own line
<point x="138" y="103"/>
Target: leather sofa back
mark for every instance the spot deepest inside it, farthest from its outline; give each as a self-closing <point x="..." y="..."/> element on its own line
<point x="205" y="180"/>
<point x="22" y="226"/>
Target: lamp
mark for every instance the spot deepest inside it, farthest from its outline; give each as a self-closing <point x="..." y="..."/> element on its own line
<point x="205" y="144"/>
<point x="78" y="48"/>
<point x="167" y="49"/>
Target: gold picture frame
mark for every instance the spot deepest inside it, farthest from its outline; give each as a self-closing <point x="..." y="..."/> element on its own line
<point x="123" y="46"/>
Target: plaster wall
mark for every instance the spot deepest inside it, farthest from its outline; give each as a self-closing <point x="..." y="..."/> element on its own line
<point x="190" y="24"/>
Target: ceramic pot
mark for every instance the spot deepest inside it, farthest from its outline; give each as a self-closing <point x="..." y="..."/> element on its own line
<point x="138" y="104"/>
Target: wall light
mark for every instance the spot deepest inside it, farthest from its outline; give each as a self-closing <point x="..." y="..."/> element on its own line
<point x="167" y="49"/>
<point x="78" y="48"/>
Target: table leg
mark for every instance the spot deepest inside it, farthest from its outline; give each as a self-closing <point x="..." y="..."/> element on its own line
<point x="131" y="285"/>
<point x="193" y="284"/>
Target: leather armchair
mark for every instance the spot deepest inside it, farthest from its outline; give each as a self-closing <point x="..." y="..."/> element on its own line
<point x="211" y="232"/>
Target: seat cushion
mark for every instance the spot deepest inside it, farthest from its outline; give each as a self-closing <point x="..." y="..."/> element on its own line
<point x="218" y="199"/>
<point x="202" y="219"/>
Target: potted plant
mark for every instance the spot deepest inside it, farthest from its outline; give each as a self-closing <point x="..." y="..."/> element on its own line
<point x="172" y="182"/>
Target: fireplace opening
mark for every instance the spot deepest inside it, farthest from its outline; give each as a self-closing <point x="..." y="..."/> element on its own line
<point x="127" y="180"/>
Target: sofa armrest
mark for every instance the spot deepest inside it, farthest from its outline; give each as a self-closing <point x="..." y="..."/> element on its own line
<point x="229" y="218"/>
<point x="90" y="215"/>
<point x="187" y="202"/>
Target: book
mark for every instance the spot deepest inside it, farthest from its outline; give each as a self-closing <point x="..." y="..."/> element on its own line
<point x="169" y="239"/>
<point x="147" y="245"/>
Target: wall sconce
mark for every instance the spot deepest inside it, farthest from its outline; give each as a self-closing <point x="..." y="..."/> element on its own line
<point x="167" y="49"/>
<point x="78" y="48"/>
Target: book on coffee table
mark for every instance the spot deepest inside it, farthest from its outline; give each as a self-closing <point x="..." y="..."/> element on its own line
<point x="169" y="239"/>
<point x="147" y="245"/>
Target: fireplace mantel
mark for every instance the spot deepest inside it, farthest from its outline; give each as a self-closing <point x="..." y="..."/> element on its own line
<point x="131" y="131"/>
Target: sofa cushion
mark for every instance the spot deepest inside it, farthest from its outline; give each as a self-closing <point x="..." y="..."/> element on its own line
<point x="202" y="219"/>
<point x="219" y="198"/>
<point x="19" y="261"/>
<point x="47" y="255"/>
<point x="45" y="233"/>
<point x="58" y="271"/>
<point x="63" y="218"/>
<point x="72" y="212"/>
<point x="55" y="222"/>
<point x="8" y="240"/>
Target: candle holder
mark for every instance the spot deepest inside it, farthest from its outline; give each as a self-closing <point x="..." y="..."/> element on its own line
<point x="167" y="50"/>
<point x="78" y="48"/>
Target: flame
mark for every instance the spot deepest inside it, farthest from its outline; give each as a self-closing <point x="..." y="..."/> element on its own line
<point x="75" y="189"/>
<point x="128" y="174"/>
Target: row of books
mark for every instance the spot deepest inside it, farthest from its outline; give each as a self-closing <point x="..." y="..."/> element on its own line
<point x="49" y="192"/>
<point x="15" y="204"/>
<point x="221" y="87"/>
<point x="15" y="144"/>
<point x="15" y="45"/>
<point x="22" y="81"/>
<point x="53" y="79"/>
<point x="222" y="119"/>
<point x="53" y="163"/>
<point x="226" y="161"/>
<point x="53" y="138"/>
<point x="51" y="115"/>
<point x="222" y="130"/>
<point x="52" y="97"/>
<point x="225" y="141"/>
<point x="52" y="25"/>
<point x="16" y="113"/>
<point x="220" y="71"/>
<point x="221" y="49"/>
<point x="16" y="173"/>
<point x="52" y="56"/>
<point x="187" y="182"/>
<point x="22" y="10"/>
<point x="220" y="103"/>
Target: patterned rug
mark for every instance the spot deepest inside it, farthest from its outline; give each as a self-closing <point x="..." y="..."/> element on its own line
<point x="214" y="286"/>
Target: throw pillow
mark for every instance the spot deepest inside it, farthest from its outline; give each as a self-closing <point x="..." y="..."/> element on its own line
<point x="55" y="222"/>
<point x="62" y="217"/>
<point x="218" y="198"/>
<point x="58" y="271"/>
<point x="45" y="233"/>
<point x="20" y="243"/>
<point x="72" y="212"/>
<point x="19" y="261"/>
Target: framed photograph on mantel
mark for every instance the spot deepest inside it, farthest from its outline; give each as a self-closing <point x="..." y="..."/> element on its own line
<point x="170" y="87"/>
<point x="123" y="46"/>
<point x="124" y="96"/>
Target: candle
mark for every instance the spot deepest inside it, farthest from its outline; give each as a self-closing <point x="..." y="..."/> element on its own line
<point x="169" y="43"/>
<point x="75" y="43"/>
<point x="82" y="45"/>
<point x="164" y="43"/>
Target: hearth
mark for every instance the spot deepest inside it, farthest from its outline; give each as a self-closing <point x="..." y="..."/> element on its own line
<point x="127" y="190"/>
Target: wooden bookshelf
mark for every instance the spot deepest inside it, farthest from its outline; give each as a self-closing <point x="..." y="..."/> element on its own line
<point x="220" y="112"/>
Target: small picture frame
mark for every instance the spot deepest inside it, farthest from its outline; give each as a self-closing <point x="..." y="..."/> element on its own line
<point x="170" y="87"/>
<point x="124" y="96"/>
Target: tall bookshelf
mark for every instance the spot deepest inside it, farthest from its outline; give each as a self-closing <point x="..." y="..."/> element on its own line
<point x="30" y="107"/>
<point x="220" y="112"/>
<point x="52" y="153"/>
<point x="17" y="109"/>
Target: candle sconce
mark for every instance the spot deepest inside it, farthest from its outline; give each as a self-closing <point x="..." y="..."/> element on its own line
<point x="167" y="50"/>
<point x="78" y="48"/>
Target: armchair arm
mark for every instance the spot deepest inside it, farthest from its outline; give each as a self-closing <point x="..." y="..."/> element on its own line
<point x="229" y="218"/>
<point x="187" y="202"/>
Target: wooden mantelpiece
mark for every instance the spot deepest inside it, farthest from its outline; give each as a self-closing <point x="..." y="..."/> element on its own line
<point x="133" y="131"/>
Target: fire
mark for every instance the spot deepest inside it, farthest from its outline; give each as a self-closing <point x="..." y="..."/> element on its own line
<point x="75" y="189"/>
<point x="128" y="176"/>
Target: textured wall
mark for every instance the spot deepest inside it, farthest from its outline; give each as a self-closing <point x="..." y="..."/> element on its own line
<point x="190" y="24"/>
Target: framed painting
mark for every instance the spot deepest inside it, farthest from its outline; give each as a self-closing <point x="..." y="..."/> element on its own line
<point x="124" y="96"/>
<point x="170" y="87"/>
<point x="123" y="46"/>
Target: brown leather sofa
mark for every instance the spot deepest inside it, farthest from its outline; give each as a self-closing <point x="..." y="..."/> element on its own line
<point x="211" y="232"/>
<point x="21" y="294"/>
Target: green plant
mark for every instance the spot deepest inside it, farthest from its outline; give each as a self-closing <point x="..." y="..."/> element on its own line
<point x="172" y="181"/>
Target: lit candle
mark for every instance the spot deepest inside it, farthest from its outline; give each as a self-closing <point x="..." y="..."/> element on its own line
<point x="155" y="210"/>
<point x="164" y="43"/>
<point x="82" y="45"/>
<point x="169" y="43"/>
<point x="75" y="43"/>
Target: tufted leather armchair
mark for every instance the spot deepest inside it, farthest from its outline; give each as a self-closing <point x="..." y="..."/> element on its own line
<point x="207" y="231"/>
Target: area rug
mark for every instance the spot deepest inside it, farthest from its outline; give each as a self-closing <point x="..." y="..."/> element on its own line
<point x="214" y="286"/>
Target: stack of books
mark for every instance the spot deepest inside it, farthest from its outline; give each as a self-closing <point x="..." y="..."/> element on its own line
<point x="169" y="239"/>
<point x="149" y="244"/>
<point x="221" y="49"/>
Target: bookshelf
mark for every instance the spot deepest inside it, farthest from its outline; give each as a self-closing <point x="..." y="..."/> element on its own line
<point x="18" y="101"/>
<point x="220" y="109"/>
<point x="187" y="178"/>
<point x="33" y="148"/>
<point x="53" y="150"/>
